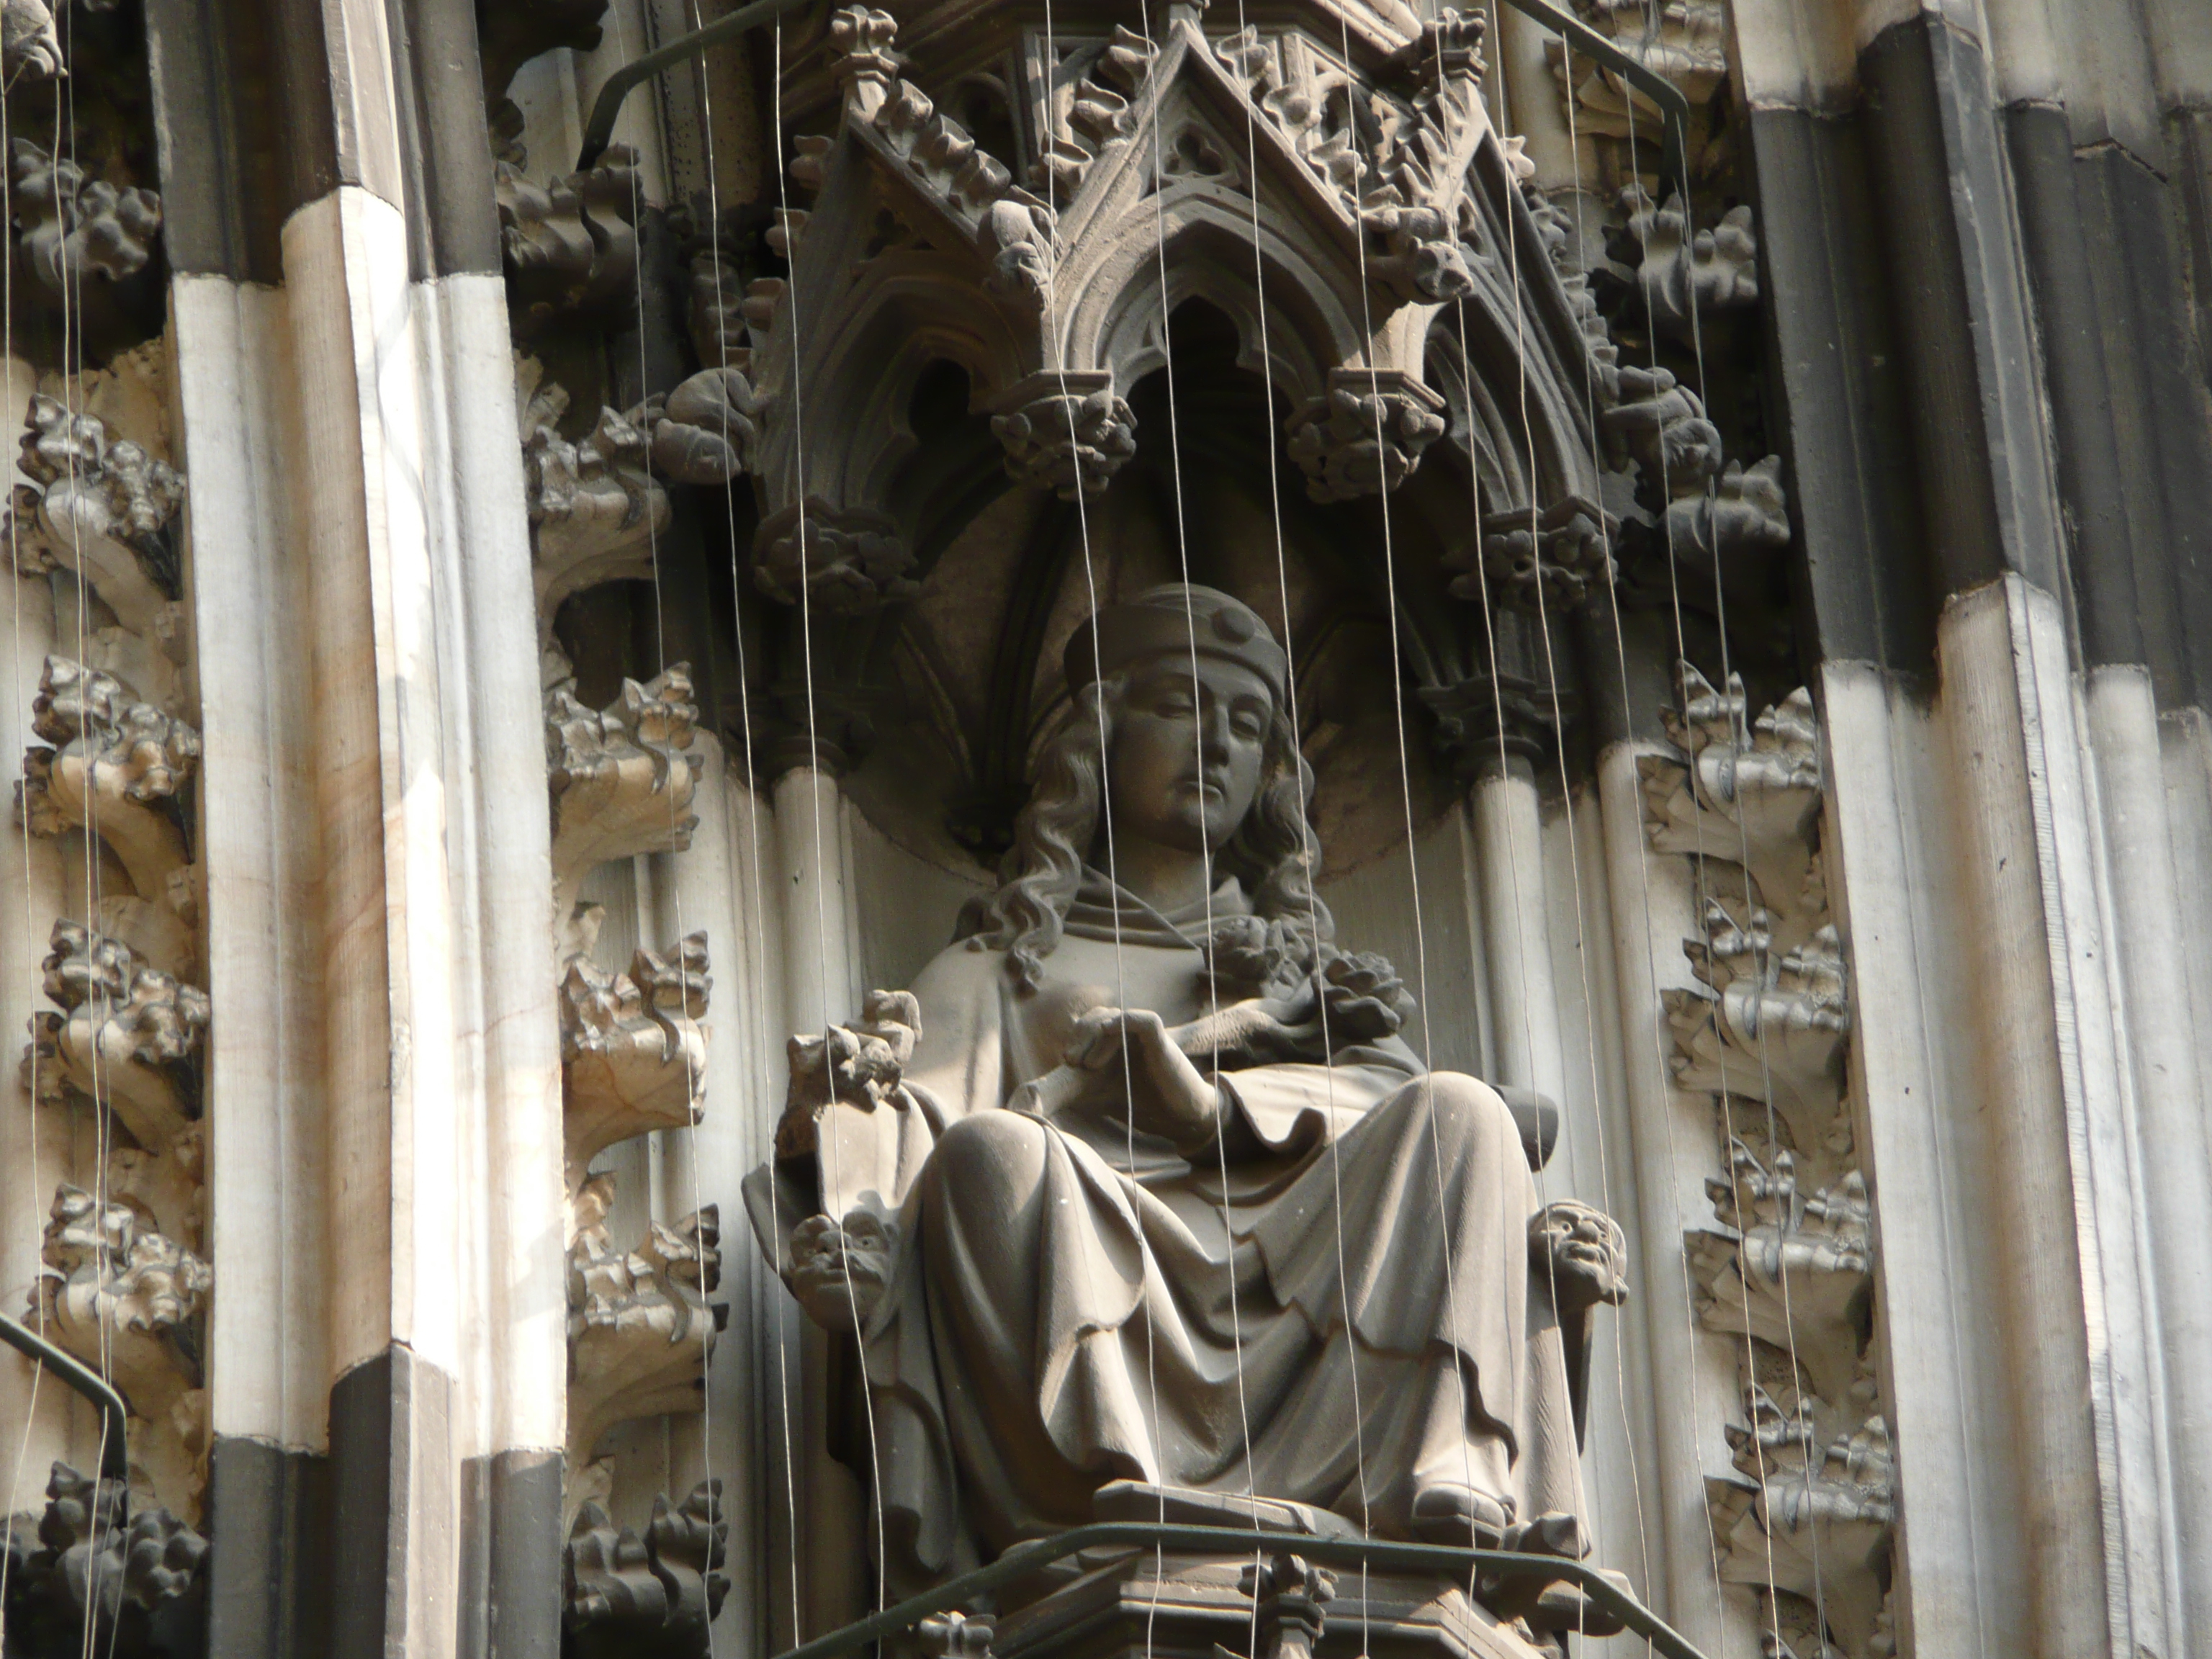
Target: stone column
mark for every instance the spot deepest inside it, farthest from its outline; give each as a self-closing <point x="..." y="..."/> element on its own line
<point x="379" y="848"/>
<point x="821" y="957"/>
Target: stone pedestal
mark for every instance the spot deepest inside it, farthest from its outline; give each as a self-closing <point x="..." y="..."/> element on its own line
<point x="1118" y="1605"/>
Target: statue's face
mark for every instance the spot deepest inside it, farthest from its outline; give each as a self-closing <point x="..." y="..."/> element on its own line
<point x="1187" y="755"/>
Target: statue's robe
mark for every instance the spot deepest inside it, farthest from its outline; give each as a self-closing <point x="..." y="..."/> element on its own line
<point x="1073" y="1303"/>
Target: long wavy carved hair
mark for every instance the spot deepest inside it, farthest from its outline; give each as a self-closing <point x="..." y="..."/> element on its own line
<point x="1275" y="852"/>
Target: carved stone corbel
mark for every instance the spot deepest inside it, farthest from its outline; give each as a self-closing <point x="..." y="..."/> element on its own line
<point x="627" y="1597"/>
<point x="633" y="1057"/>
<point x="97" y="508"/>
<point x="621" y="779"/>
<point x="1066" y="432"/>
<point x="639" y="1327"/>
<point x="1366" y="434"/>
<point x="127" y="1299"/>
<point x="74" y="227"/>
<point x="117" y="763"/>
<point x="79" y="1572"/>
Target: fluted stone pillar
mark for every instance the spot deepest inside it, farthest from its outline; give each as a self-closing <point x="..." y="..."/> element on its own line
<point x="386" y="1368"/>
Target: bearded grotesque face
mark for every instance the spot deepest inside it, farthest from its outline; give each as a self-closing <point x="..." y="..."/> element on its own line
<point x="1189" y="752"/>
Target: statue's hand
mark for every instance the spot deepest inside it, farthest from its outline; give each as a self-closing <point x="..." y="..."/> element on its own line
<point x="1168" y="1095"/>
<point x="1582" y="1253"/>
<point x="839" y="1272"/>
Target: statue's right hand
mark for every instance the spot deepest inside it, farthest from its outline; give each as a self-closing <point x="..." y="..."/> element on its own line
<point x="840" y="1271"/>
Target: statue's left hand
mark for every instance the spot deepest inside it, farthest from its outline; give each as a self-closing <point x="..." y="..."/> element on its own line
<point x="1169" y="1095"/>
<point x="1582" y="1253"/>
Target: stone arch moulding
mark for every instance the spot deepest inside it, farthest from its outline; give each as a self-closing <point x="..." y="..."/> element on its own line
<point x="1151" y="169"/>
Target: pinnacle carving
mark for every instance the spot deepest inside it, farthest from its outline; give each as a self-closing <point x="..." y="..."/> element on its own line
<point x="621" y="779"/>
<point x="640" y="1327"/>
<point x="1068" y="433"/>
<point x="1366" y="435"/>
<point x="633" y="1056"/>
<point x="116" y="763"/>
<point x="101" y="509"/>
<point x="75" y="227"/>
<point x="649" y="1597"/>
<point x="143" y="1577"/>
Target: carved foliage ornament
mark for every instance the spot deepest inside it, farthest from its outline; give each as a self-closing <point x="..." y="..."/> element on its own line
<point x="143" y="1580"/>
<point x="99" y="508"/>
<point x="649" y="1597"/>
<point x="1806" y="1512"/>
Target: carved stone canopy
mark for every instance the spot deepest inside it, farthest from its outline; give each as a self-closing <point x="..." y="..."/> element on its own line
<point x="1358" y="218"/>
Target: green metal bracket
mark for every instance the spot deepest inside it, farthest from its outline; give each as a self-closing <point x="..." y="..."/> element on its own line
<point x="114" y="1454"/>
<point x="1025" y="1558"/>
<point x="619" y="85"/>
<point x="1675" y="109"/>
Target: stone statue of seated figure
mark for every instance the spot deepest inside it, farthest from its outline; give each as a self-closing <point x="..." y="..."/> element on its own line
<point x="1140" y="1183"/>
